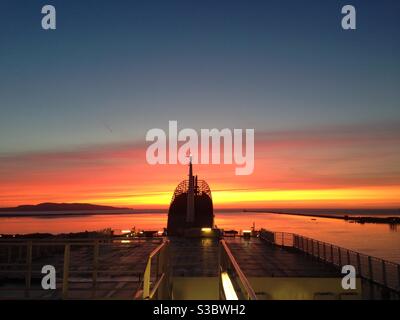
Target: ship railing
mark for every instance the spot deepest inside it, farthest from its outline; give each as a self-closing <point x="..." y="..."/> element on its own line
<point x="233" y="283"/>
<point x="156" y="277"/>
<point x="81" y="265"/>
<point x="378" y="271"/>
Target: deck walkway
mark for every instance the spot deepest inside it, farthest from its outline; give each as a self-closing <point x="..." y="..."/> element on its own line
<point x="199" y="258"/>
<point x="194" y="257"/>
<point x="258" y="258"/>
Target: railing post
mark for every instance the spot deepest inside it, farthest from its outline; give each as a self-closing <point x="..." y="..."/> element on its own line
<point x="384" y="278"/>
<point x="324" y="244"/>
<point x="333" y="262"/>
<point x="28" y="268"/>
<point x="398" y="275"/>
<point x="168" y="271"/>
<point x="159" y="263"/>
<point x="371" y="273"/>
<point x="340" y="257"/>
<point x="348" y="256"/>
<point x="67" y="249"/>
<point x="312" y="247"/>
<point x="146" y="280"/>
<point x="19" y="253"/>
<point x="318" y="249"/>
<point x="160" y="270"/>
<point x="359" y="264"/>
<point x="9" y="254"/>
<point x="96" y="250"/>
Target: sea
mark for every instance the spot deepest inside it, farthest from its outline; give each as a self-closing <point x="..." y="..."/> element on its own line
<point x="379" y="240"/>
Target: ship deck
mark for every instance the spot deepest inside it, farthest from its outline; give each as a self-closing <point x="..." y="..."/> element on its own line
<point x="119" y="272"/>
<point x="194" y="257"/>
<point x="199" y="258"/>
<point x="130" y="268"/>
<point x="258" y="258"/>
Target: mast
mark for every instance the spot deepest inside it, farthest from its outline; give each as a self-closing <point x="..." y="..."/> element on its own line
<point x="190" y="196"/>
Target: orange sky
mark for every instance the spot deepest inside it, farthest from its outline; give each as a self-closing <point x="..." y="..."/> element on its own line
<point x="321" y="168"/>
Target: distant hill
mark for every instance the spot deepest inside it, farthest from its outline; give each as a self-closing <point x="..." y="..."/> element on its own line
<point x="48" y="206"/>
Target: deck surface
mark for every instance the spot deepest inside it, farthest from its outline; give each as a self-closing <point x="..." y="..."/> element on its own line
<point x="194" y="257"/>
<point x="199" y="258"/>
<point x="257" y="258"/>
<point x="120" y="271"/>
<point x="120" y="268"/>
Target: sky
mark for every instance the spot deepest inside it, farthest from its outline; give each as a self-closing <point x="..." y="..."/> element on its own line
<point x="76" y="102"/>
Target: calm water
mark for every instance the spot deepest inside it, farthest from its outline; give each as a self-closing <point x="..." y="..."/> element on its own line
<point x="378" y="240"/>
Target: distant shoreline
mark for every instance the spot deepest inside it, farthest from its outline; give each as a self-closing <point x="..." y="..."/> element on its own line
<point x="388" y="217"/>
<point x="348" y="217"/>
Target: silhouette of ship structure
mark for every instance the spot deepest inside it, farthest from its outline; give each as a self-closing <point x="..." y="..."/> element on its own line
<point x="191" y="209"/>
<point x="194" y="261"/>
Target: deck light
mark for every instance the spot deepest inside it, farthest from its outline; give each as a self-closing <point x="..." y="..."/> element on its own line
<point x="229" y="291"/>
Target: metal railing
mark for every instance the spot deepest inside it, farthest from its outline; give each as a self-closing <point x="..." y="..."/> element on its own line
<point x="382" y="272"/>
<point x="228" y="264"/>
<point x="84" y="268"/>
<point x="156" y="278"/>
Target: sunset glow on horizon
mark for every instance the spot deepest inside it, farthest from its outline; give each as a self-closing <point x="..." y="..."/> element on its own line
<point x="323" y="169"/>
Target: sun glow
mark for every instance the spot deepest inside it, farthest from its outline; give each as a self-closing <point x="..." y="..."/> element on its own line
<point x="258" y="198"/>
<point x="117" y="181"/>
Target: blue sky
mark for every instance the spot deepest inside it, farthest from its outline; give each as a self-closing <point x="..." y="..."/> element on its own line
<point x="114" y="69"/>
